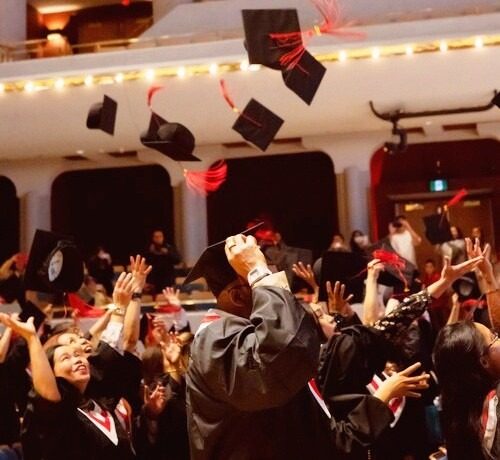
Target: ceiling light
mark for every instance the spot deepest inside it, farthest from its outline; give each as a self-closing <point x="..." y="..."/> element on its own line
<point x="89" y="80"/>
<point x="375" y="53"/>
<point x="119" y="77"/>
<point x="213" y="69"/>
<point x="150" y="74"/>
<point x="29" y="87"/>
<point x="342" y="56"/>
<point x="59" y="83"/>
<point x="181" y="72"/>
<point x="2" y="87"/>
<point x="443" y="46"/>
<point x="478" y="42"/>
<point x="80" y="152"/>
<point x="254" y="67"/>
<point x="244" y="65"/>
<point x="409" y="50"/>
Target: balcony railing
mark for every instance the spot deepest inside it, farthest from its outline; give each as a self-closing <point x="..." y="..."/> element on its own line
<point x="42" y="48"/>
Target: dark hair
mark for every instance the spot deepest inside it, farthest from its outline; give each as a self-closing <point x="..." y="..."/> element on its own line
<point x="152" y="364"/>
<point x="355" y="247"/>
<point x="464" y="385"/>
<point x="430" y="261"/>
<point x="50" y="352"/>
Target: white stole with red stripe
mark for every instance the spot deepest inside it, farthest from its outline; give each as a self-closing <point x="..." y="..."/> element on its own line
<point x="396" y="405"/>
<point x="103" y="420"/>
<point x="489" y="419"/>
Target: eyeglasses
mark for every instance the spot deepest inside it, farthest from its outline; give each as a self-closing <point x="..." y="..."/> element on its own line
<point x="493" y="341"/>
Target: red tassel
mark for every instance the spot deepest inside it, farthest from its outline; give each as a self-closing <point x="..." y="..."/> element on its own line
<point x="458" y="197"/>
<point x="330" y="25"/>
<point x="82" y="309"/>
<point x="125" y="2"/>
<point x="205" y="182"/>
<point x="152" y="90"/>
<point x="394" y="261"/>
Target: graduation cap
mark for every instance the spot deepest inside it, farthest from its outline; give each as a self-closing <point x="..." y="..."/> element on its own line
<point x="102" y="115"/>
<point x="398" y="272"/>
<point x="214" y="266"/>
<point x="172" y="139"/>
<point x="259" y="25"/>
<point x="304" y="77"/>
<point x="348" y="268"/>
<point x="54" y="264"/>
<point x="437" y="228"/>
<point x="467" y="287"/>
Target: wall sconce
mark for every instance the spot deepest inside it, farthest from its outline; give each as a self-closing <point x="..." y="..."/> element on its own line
<point x="55" y="36"/>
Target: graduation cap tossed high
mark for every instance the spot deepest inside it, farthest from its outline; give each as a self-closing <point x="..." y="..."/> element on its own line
<point x="256" y="123"/>
<point x="273" y="38"/>
<point x="437" y="226"/>
<point x="102" y="115"/>
<point x="54" y="264"/>
<point x="348" y="268"/>
<point x="214" y="266"/>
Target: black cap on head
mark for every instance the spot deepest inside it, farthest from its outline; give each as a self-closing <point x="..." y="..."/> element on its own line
<point x="257" y="124"/>
<point x="305" y="77"/>
<point x="54" y="264"/>
<point x="258" y="25"/>
<point x="398" y="278"/>
<point x="214" y="266"/>
<point x="172" y="139"/>
<point x="102" y="115"/>
<point x="437" y="228"/>
<point x="346" y="267"/>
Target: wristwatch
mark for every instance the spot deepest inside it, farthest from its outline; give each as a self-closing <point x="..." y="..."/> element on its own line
<point x="256" y="274"/>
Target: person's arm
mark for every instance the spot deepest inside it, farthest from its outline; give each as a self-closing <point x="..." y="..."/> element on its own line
<point x="131" y="323"/>
<point x="44" y="380"/>
<point x="416" y="239"/>
<point x="372" y="310"/>
<point x="101" y="324"/>
<point x="5" y="343"/>
<point x="487" y="280"/>
<point x="455" y="310"/>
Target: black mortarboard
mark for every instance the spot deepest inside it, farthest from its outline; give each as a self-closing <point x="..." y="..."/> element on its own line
<point x="257" y="124"/>
<point x="304" y="77"/>
<point x="348" y="268"/>
<point x="437" y="228"/>
<point x="172" y="139"/>
<point x="103" y="115"/>
<point x="496" y="99"/>
<point x="467" y="287"/>
<point x="214" y="267"/>
<point x="392" y="276"/>
<point x="29" y="309"/>
<point x="259" y="25"/>
<point x="54" y="264"/>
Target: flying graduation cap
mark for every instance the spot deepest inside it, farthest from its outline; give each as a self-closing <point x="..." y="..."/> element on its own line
<point x="256" y="123"/>
<point x="302" y="73"/>
<point x="102" y="115"/>
<point x="214" y="266"/>
<point x="171" y="139"/>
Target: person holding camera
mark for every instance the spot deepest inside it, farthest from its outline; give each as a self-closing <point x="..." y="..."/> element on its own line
<point x="404" y="239"/>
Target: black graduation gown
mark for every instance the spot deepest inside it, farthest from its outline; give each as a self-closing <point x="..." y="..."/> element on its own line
<point x="347" y="364"/>
<point x="66" y="433"/>
<point x="247" y="395"/>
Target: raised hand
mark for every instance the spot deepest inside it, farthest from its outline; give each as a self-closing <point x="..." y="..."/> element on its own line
<point x="402" y="384"/>
<point x="140" y="271"/>
<point x="337" y="303"/>
<point x="172" y="295"/>
<point x="374" y="267"/>
<point x="124" y="287"/>
<point x="171" y="349"/>
<point x="26" y="330"/>
<point x="452" y="272"/>
<point x="474" y="250"/>
<point x="306" y="273"/>
<point x="243" y="254"/>
<point x="156" y="401"/>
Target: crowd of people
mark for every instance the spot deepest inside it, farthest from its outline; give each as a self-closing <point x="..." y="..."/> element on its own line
<point x="409" y="372"/>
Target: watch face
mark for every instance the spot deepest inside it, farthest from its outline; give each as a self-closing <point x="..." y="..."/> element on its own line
<point x="55" y="266"/>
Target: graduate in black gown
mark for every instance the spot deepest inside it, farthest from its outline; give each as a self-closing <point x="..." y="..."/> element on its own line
<point x="247" y="382"/>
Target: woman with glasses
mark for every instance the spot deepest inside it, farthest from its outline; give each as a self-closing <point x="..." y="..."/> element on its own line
<point x="467" y="361"/>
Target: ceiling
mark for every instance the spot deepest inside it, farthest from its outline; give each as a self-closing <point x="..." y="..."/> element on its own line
<point x="52" y="123"/>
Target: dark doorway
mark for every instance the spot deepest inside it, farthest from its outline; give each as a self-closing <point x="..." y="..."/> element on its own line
<point x="296" y="191"/>
<point x="9" y="220"/>
<point x="117" y="208"/>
